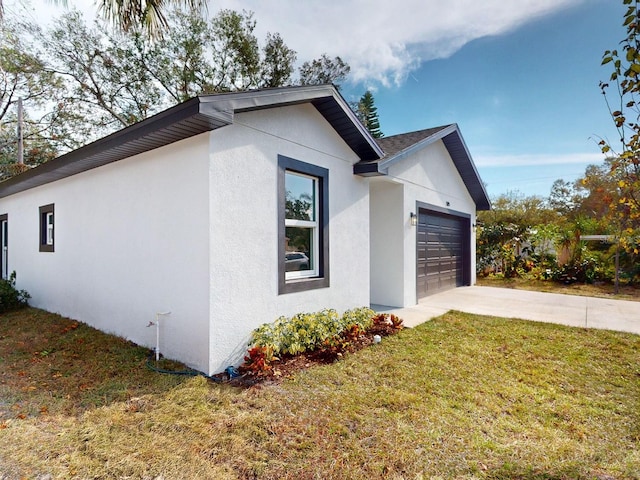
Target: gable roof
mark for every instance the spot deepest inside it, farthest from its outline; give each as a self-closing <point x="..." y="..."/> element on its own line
<point x="397" y="143"/>
<point x="398" y="147"/>
<point x="198" y="115"/>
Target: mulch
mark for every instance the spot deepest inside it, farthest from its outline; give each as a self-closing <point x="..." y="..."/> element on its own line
<point x="288" y="365"/>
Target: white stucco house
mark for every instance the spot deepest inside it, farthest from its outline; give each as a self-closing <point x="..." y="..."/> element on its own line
<point x="230" y="210"/>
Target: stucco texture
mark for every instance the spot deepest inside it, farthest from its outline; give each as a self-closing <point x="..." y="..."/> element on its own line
<point x="244" y="225"/>
<point x="131" y="240"/>
<point x="430" y="177"/>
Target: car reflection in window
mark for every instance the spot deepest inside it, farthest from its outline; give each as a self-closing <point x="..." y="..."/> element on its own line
<point x="296" y="261"/>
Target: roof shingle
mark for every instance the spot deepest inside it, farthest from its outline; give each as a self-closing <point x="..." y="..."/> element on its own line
<point x="397" y="143"/>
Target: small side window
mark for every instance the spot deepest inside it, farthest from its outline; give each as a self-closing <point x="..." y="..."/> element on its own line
<point x="47" y="228"/>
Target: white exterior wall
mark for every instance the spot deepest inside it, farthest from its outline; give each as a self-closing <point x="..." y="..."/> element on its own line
<point x="131" y="239"/>
<point x="387" y="242"/>
<point x="244" y="226"/>
<point x="428" y="176"/>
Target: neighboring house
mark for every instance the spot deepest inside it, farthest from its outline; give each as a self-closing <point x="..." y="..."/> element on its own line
<point x="230" y="210"/>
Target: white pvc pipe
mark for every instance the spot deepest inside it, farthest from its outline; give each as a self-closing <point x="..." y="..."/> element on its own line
<point x="158" y="314"/>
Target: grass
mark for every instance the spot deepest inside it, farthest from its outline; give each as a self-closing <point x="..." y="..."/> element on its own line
<point x="55" y="365"/>
<point x="462" y="396"/>
<point x="602" y="290"/>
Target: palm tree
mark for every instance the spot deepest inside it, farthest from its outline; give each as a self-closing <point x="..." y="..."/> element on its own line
<point x="146" y="15"/>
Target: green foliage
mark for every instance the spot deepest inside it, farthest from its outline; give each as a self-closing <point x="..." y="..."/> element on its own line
<point x="85" y="81"/>
<point x="308" y="331"/>
<point x="10" y="297"/>
<point x="512" y="232"/>
<point x="367" y="112"/>
<point x="527" y="238"/>
<point x="324" y="70"/>
<point x="113" y="80"/>
<point x="325" y="334"/>
<point x="624" y="160"/>
<point x="25" y="74"/>
<point x="147" y="17"/>
<point x="584" y="270"/>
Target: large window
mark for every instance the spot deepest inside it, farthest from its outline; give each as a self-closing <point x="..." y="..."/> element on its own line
<point x="303" y="228"/>
<point x="46" y="228"/>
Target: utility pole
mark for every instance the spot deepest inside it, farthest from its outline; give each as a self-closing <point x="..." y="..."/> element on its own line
<point x="20" y="140"/>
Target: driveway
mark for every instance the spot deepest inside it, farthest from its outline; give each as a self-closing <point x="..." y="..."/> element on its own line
<point x="571" y="310"/>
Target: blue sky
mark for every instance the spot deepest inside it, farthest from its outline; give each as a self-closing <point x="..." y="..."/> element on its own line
<point x="520" y="77"/>
<point x="527" y="101"/>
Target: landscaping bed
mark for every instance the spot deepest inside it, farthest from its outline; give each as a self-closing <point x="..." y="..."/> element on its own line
<point x="272" y="356"/>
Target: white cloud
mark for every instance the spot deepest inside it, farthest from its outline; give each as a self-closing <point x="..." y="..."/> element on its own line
<point x="537" y="160"/>
<point x="384" y="41"/>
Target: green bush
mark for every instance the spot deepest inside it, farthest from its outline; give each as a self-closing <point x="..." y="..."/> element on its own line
<point x="10" y="297"/>
<point x="586" y="270"/>
<point x="306" y="332"/>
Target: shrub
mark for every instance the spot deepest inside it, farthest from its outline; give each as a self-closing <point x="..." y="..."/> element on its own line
<point x="308" y="331"/>
<point x="325" y="334"/>
<point x="10" y="297"/>
<point x="586" y="270"/>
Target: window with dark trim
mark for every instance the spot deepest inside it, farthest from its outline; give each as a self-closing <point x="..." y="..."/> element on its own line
<point x="47" y="223"/>
<point x="4" y="246"/>
<point x="303" y="226"/>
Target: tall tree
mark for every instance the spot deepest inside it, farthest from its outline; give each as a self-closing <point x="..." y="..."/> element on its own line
<point x="24" y="74"/>
<point x="367" y="112"/>
<point x="116" y="79"/>
<point x="324" y="70"/>
<point x="624" y="158"/>
<point x="277" y="63"/>
<point x="564" y="197"/>
<point x="106" y="88"/>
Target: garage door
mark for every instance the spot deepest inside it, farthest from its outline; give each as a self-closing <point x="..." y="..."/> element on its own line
<point x="441" y="252"/>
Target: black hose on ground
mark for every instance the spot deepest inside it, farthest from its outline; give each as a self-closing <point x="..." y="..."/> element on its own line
<point x="230" y="371"/>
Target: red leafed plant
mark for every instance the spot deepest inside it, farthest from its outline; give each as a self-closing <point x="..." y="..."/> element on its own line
<point x="386" y="324"/>
<point x="258" y="360"/>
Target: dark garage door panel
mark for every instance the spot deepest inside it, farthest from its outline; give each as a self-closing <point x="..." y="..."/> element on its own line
<point x="440" y="252"/>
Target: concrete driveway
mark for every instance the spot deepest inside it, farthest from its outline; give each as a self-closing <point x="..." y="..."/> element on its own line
<point x="571" y="310"/>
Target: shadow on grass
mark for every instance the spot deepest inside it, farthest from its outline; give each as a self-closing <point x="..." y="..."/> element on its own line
<point x="510" y="471"/>
<point x="51" y="364"/>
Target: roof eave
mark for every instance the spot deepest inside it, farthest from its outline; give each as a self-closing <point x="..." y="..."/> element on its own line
<point x="193" y="117"/>
<point x="325" y="98"/>
<point x="457" y="148"/>
<point x="467" y="169"/>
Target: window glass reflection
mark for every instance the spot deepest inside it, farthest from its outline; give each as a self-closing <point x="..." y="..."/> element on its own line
<point x="299" y="197"/>
<point x="298" y="249"/>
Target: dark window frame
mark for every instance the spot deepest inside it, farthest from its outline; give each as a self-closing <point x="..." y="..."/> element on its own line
<point x="44" y="211"/>
<point x="4" y="270"/>
<point x="286" y="164"/>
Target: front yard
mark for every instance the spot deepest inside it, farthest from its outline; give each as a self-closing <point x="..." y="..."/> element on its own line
<point x="462" y="396"/>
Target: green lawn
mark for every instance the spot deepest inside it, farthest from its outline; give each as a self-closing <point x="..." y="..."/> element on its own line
<point x="462" y="396"/>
